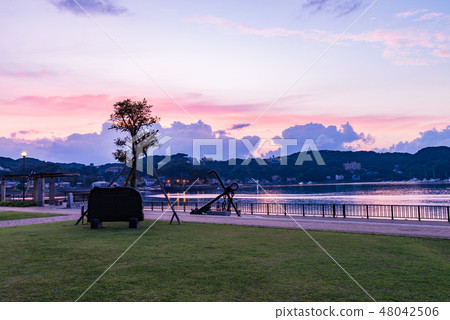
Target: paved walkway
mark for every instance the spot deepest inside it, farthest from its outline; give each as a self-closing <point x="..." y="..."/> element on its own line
<point x="68" y="214"/>
<point x="428" y="229"/>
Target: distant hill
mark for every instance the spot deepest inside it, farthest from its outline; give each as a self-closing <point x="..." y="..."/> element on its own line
<point x="432" y="162"/>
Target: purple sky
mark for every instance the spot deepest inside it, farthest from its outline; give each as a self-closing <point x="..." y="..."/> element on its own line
<point x="215" y="68"/>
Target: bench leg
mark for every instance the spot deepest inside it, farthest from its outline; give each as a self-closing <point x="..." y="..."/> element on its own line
<point x="134" y="223"/>
<point x="96" y="224"/>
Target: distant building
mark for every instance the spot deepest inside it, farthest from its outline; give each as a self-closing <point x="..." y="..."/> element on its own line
<point x="115" y="169"/>
<point x="276" y="178"/>
<point x="62" y="185"/>
<point x="101" y="184"/>
<point x="291" y="180"/>
<point x="149" y="181"/>
<point x="352" y="166"/>
<point x="5" y="169"/>
<point x="273" y="160"/>
<point x="339" y="177"/>
<point x="397" y="170"/>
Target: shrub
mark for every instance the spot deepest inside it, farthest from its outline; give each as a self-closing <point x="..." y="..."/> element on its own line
<point x="18" y="204"/>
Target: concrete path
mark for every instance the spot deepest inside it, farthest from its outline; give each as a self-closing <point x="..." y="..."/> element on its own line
<point x="428" y="229"/>
<point x="68" y="214"/>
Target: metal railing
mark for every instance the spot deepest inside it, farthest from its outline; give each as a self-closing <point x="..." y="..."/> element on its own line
<point x="372" y="211"/>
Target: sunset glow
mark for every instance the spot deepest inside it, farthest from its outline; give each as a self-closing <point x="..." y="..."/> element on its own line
<point x="225" y="63"/>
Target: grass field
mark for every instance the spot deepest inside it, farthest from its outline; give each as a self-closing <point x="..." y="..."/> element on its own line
<point x="16" y="215"/>
<point x="206" y="262"/>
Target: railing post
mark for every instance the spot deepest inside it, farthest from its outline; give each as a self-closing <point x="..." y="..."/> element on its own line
<point x="184" y="206"/>
<point x="367" y="211"/>
<point x="323" y="210"/>
<point x="162" y="206"/>
<point x="392" y="212"/>
<point x="343" y="210"/>
<point x="251" y="208"/>
<point x="334" y="211"/>
<point x="303" y="210"/>
<point x="448" y="214"/>
<point x="151" y="203"/>
<point x="267" y="209"/>
<point x="284" y="207"/>
<point x="418" y="212"/>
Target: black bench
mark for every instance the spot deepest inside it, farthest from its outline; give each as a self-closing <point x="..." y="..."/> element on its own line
<point x="114" y="204"/>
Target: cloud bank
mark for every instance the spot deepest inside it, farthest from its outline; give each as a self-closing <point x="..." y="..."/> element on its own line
<point x="430" y="138"/>
<point x="82" y="148"/>
<point x="105" y="7"/>
<point x="335" y="7"/>
<point x="344" y="138"/>
<point x="98" y="147"/>
<point x="238" y="126"/>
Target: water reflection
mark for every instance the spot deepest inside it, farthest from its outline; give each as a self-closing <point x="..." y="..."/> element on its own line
<point x="362" y="193"/>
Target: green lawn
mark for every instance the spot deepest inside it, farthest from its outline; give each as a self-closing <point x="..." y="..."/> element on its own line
<point x="16" y="215"/>
<point x="206" y="262"/>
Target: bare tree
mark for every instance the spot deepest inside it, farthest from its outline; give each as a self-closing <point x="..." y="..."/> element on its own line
<point x="134" y="119"/>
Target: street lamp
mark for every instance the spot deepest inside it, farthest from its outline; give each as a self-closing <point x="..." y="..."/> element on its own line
<point x="24" y="155"/>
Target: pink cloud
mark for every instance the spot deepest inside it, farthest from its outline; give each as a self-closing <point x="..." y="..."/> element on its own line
<point x="209" y="19"/>
<point x="406" y="46"/>
<point x="54" y="116"/>
<point x="25" y="73"/>
<point x="57" y="105"/>
<point x="410" y="13"/>
<point x="275" y="121"/>
<point x="430" y="16"/>
<point x="409" y="46"/>
<point x="442" y="53"/>
<point x="312" y="34"/>
<point x="279" y="118"/>
<point x="59" y="116"/>
<point x="398" y="38"/>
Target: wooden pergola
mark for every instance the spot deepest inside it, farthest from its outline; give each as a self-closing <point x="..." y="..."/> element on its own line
<point x="38" y="184"/>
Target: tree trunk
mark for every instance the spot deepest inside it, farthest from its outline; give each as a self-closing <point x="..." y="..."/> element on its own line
<point x="133" y="177"/>
<point x="133" y="173"/>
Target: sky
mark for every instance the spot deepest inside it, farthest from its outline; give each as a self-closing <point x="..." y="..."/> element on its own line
<point x="349" y="74"/>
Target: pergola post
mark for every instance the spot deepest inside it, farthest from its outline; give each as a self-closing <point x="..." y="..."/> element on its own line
<point x="51" y="196"/>
<point x="41" y="192"/>
<point x="35" y="189"/>
<point x="39" y="184"/>
<point x="3" y="190"/>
